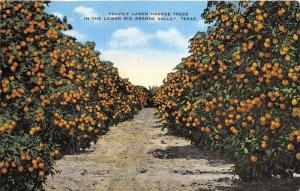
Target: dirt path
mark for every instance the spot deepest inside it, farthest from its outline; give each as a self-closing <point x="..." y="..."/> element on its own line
<point x="137" y="156"/>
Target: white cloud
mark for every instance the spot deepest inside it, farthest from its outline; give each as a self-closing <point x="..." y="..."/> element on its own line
<point x="133" y="37"/>
<point x="128" y="38"/>
<point x="75" y="34"/>
<point x="173" y="37"/>
<point x="131" y="51"/>
<point x="145" y="66"/>
<point x="59" y="15"/>
<point x="86" y="11"/>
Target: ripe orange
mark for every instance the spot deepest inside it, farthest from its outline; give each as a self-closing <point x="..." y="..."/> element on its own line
<point x="30" y="169"/>
<point x="294" y="102"/>
<point x="290" y="147"/>
<point x="21" y="168"/>
<point x="263" y="146"/>
<point x="265" y="138"/>
<point x="41" y="165"/>
<point x="26" y="109"/>
<point x="34" y="162"/>
<point x="4" y="170"/>
<point x="41" y="173"/>
<point x="253" y="159"/>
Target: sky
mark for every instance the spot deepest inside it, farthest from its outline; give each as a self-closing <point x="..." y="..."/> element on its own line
<point x="143" y="51"/>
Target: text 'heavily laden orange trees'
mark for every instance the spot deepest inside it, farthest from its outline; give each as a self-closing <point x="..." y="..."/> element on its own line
<point x="238" y="90"/>
<point x="56" y="96"/>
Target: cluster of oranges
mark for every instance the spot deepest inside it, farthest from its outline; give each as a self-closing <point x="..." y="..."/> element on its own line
<point x="56" y="95"/>
<point x="238" y="90"/>
<point x="25" y="161"/>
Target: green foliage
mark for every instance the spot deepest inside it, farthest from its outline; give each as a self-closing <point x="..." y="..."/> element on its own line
<point x="56" y="96"/>
<point x="238" y="90"/>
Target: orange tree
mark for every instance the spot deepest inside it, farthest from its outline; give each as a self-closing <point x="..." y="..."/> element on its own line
<point x="238" y="91"/>
<point x="70" y="113"/>
<point x="88" y="96"/>
<point x="56" y="96"/>
<point x="25" y="159"/>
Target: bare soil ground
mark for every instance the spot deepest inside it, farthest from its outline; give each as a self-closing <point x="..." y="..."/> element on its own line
<point x="137" y="155"/>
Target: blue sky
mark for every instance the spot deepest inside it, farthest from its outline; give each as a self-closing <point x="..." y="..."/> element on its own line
<point x="144" y="51"/>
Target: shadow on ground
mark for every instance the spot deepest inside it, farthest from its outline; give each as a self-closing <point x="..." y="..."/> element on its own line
<point x="291" y="184"/>
<point x="191" y="152"/>
<point x="186" y="152"/>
